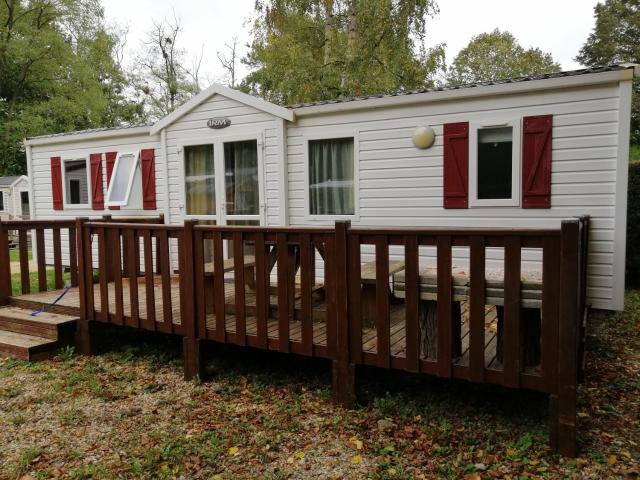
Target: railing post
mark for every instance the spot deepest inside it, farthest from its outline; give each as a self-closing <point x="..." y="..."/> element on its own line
<point x="5" y="268"/>
<point x="84" y="341"/>
<point x="343" y="371"/>
<point x="191" y="345"/>
<point x="563" y="407"/>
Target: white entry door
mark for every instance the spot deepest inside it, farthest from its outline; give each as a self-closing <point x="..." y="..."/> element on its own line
<point x="242" y="180"/>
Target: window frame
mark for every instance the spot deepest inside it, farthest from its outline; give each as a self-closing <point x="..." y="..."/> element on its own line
<point x="123" y="203"/>
<point x="333" y="134"/>
<point x="218" y="140"/>
<point x="65" y="193"/>
<point x="516" y="163"/>
<point x="3" y="206"/>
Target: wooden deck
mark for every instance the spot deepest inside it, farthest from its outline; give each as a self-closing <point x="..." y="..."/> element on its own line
<point x="70" y="304"/>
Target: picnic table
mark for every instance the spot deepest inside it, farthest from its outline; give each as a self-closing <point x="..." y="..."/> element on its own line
<point x="368" y="289"/>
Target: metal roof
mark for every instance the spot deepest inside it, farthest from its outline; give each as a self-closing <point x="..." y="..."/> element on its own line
<point x="8" y="181"/>
<point x="569" y="73"/>
<point x="91" y="130"/>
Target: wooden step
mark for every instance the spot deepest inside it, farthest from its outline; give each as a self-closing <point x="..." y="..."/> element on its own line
<point x="26" y="347"/>
<point x="48" y="325"/>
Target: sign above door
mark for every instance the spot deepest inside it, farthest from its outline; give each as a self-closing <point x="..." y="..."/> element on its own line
<point x="218" y="122"/>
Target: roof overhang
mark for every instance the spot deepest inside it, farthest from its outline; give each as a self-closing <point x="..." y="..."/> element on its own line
<point x="471" y="92"/>
<point x="236" y="95"/>
<point x="17" y="180"/>
<point x="90" y="135"/>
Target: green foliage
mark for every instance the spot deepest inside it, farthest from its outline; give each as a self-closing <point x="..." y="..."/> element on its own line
<point x="321" y="49"/>
<point x="58" y="72"/>
<point x="498" y="55"/>
<point x="616" y="39"/>
<point x="633" y="223"/>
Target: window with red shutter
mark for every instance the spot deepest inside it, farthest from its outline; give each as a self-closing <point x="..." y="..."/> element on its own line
<point x="456" y="165"/>
<point x="110" y="161"/>
<point x="56" y="182"/>
<point x="536" y="161"/>
<point x="148" y="164"/>
<point x="97" y="191"/>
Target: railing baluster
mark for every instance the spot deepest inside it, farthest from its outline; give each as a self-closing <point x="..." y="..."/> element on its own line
<point x="382" y="302"/>
<point x="549" y="313"/>
<point x="5" y="266"/>
<point x="57" y="259"/>
<point x="306" y="292"/>
<point x="103" y="278"/>
<point x="199" y="281"/>
<point x="238" y="276"/>
<point x="42" y="263"/>
<point x="150" y="318"/>
<point x="412" y="303"/>
<point x="117" y="275"/>
<point x="444" y="307"/>
<point x="24" y="261"/>
<point x="283" y="294"/>
<point x="512" y="340"/>
<point x="165" y="273"/>
<point x="73" y="257"/>
<point x="219" y="287"/>
<point x="331" y="294"/>
<point x="132" y="263"/>
<point x="87" y="252"/>
<point x="476" y="309"/>
<point x="355" y="299"/>
<point x="262" y="291"/>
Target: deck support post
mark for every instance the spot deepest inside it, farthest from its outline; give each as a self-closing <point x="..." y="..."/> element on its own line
<point x="193" y="354"/>
<point x="343" y="371"/>
<point x="5" y="266"/>
<point x="568" y="334"/>
<point x="85" y="341"/>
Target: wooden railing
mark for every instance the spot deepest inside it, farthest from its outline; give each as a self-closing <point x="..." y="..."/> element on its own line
<point x="23" y="233"/>
<point x="389" y="297"/>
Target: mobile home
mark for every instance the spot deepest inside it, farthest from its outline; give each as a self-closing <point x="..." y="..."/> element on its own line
<point x="525" y="152"/>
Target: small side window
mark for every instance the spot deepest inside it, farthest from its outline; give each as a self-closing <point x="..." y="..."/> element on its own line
<point x="2" y="201"/>
<point x="76" y="182"/>
<point x="495" y="163"/>
<point x="122" y="179"/>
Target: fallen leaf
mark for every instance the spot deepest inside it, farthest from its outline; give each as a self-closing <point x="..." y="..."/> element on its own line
<point x="356" y="459"/>
<point x="233" y="451"/>
<point x="612" y="459"/>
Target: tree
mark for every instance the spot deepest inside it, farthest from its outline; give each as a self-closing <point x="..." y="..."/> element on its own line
<point x="498" y="55"/>
<point x="307" y="50"/>
<point x="616" y="39"/>
<point x="162" y="77"/>
<point x="229" y="61"/>
<point x="57" y="73"/>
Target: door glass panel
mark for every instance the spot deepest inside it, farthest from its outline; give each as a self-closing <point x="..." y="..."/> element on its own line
<point x="200" y="185"/>
<point x="241" y="177"/>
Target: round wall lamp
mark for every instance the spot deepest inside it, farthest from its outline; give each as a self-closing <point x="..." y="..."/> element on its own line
<point x="423" y="137"/>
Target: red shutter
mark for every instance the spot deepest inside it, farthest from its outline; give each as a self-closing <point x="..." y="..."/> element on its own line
<point x="56" y="182"/>
<point x="97" y="191"/>
<point x="536" y="161"/>
<point x="111" y="161"/>
<point x="456" y="165"/>
<point x="148" y="161"/>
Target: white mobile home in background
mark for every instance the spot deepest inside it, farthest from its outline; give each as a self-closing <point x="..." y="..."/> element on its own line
<point x="525" y="152"/>
<point x="14" y="198"/>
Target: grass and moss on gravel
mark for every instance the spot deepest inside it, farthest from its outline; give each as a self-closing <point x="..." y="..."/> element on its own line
<point x="128" y="413"/>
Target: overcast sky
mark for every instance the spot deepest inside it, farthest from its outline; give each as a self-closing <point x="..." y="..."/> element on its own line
<point x="556" y="26"/>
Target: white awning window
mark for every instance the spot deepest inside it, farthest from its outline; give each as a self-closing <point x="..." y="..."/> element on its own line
<point x="122" y="179"/>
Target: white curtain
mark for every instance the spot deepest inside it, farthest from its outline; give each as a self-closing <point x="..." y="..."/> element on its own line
<point x="200" y="184"/>
<point x="331" y="168"/>
<point x="241" y="177"/>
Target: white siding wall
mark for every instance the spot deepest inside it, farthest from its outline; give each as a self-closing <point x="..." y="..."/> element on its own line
<point x="245" y="120"/>
<point x="41" y="177"/>
<point x="400" y="185"/>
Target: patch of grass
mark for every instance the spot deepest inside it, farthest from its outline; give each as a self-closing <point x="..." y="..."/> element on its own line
<point x="72" y="417"/>
<point x="14" y="254"/>
<point x="28" y="456"/>
<point x="634" y="152"/>
<point x="66" y="353"/>
<point x="16" y="281"/>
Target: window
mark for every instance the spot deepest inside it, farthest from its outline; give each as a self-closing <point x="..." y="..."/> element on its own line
<point x="1" y="200"/>
<point x="200" y="180"/>
<point x="331" y="177"/>
<point x="494" y="165"/>
<point x="121" y="181"/>
<point x="241" y="178"/>
<point x="76" y="182"/>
